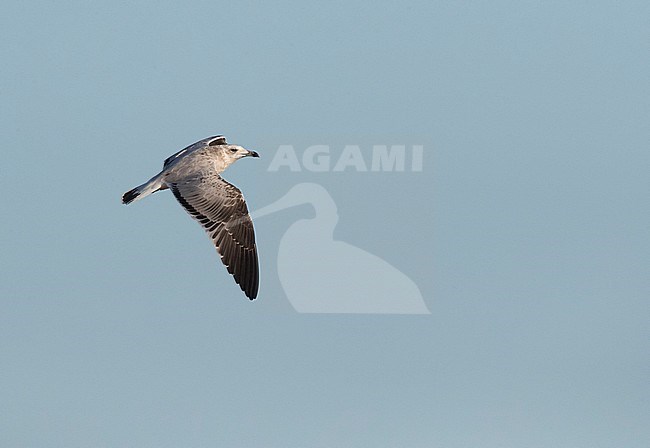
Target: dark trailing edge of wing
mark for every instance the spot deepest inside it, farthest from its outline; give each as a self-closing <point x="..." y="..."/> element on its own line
<point x="240" y="261"/>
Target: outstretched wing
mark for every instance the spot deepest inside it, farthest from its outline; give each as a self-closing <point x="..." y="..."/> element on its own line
<point x="221" y="209"/>
<point x="210" y="141"/>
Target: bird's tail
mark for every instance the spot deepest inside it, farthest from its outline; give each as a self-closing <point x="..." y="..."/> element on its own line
<point x="143" y="190"/>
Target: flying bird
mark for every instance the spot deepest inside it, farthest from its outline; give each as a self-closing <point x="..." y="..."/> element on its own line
<point x="193" y="175"/>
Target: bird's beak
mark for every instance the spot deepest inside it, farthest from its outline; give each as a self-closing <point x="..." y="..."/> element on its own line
<point x="252" y="154"/>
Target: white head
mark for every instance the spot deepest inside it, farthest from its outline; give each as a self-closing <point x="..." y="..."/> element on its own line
<point x="235" y="152"/>
<point x="228" y="154"/>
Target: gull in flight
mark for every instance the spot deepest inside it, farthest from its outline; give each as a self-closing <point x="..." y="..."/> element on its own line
<point x="193" y="175"/>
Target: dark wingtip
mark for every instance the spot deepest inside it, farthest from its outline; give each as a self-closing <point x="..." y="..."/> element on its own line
<point x="250" y="290"/>
<point x="130" y="196"/>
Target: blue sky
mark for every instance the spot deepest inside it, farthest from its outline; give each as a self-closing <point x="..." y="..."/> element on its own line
<point x="526" y="230"/>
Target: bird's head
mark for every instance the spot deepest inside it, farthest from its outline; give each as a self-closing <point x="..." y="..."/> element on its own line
<point x="226" y="154"/>
<point x="236" y="152"/>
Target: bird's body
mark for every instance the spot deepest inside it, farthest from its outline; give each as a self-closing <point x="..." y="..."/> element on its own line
<point x="193" y="175"/>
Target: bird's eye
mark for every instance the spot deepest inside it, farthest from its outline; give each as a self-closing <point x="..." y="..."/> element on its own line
<point x="233" y="150"/>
